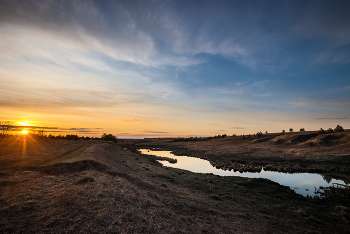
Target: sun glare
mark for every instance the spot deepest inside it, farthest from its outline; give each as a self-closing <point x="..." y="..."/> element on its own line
<point x="24" y="124"/>
<point x="24" y="132"/>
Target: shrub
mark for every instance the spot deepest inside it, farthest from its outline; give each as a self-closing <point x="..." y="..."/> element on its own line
<point x="72" y="137"/>
<point x="243" y="137"/>
<point x="330" y="130"/>
<point x="108" y="137"/>
<point x="259" y="134"/>
<point x="266" y="132"/>
<point x="291" y="130"/>
<point x="283" y="132"/>
<point x="302" y="129"/>
<point x="339" y="128"/>
<point x="321" y="131"/>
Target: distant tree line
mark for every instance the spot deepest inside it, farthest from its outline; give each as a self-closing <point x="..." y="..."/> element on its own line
<point x="259" y="134"/>
<point x="200" y="138"/>
<point x="7" y="128"/>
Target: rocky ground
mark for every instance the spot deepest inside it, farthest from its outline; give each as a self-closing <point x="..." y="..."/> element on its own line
<point x="67" y="186"/>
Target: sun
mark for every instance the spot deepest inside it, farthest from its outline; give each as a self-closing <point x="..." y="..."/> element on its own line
<point x="24" y="132"/>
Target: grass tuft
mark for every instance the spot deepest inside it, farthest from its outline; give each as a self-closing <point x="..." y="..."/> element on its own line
<point x="85" y="180"/>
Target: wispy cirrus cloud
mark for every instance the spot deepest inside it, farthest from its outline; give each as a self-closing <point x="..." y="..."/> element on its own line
<point x="238" y="127"/>
<point x="153" y="132"/>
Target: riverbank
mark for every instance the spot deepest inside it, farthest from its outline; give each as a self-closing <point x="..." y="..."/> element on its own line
<point x="290" y="152"/>
<point x="65" y="186"/>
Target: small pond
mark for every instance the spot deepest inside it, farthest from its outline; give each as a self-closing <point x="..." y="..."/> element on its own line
<point x="302" y="183"/>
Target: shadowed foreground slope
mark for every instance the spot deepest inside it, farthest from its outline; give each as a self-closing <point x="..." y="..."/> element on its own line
<point x="57" y="186"/>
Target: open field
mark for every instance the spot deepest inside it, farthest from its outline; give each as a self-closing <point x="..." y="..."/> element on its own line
<point x="62" y="186"/>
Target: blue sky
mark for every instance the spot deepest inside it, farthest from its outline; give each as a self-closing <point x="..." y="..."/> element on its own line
<point x="175" y="68"/>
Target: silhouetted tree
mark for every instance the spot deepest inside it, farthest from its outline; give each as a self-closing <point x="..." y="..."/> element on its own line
<point x="302" y="129"/>
<point x="109" y="137"/>
<point x="72" y="137"/>
<point x="5" y="127"/>
<point x="259" y="134"/>
<point x="291" y="130"/>
<point x="339" y="128"/>
<point x="38" y="131"/>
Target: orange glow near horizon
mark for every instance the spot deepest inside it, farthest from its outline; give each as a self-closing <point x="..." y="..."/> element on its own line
<point x="24" y="123"/>
<point x="24" y="132"/>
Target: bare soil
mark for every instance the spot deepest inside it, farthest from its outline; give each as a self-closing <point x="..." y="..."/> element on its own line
<point x="61" y="186"/>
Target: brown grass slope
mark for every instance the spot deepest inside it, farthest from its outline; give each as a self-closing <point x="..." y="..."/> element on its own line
<point x="291" y="152"/>
<point x="57" y="186"/>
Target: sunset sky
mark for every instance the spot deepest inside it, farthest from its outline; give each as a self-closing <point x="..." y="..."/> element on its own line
<point x="175" y="68"/>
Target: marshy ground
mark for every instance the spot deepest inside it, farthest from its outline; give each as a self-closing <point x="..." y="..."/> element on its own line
<point x="67" y="186"/>
<point x="290" y="152"/>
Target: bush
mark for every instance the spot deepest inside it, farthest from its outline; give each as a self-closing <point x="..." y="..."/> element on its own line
<point x="302" y="129"/>
<point x="283" y="132"/>
<point x="108" y="137"/>
<point x="259" y="134"/>
<point x="291" y="130"/>
<point x="72" y="137"/>
<point x="321" y="131"/>
<point x="330" y="130"/>
<point x="339" y="128"/>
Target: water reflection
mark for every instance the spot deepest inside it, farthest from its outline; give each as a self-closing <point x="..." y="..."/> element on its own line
<point x="302" y="183"/>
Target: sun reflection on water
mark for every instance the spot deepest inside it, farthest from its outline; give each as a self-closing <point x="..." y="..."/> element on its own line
<point x="302" y="183"/>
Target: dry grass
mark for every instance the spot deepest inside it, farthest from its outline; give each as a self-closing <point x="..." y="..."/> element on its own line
<point x="95" y="187"/>
<point x="291" y="152"/>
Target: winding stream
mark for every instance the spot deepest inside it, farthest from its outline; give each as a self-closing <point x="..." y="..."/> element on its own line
<point x="302" y="183"/>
